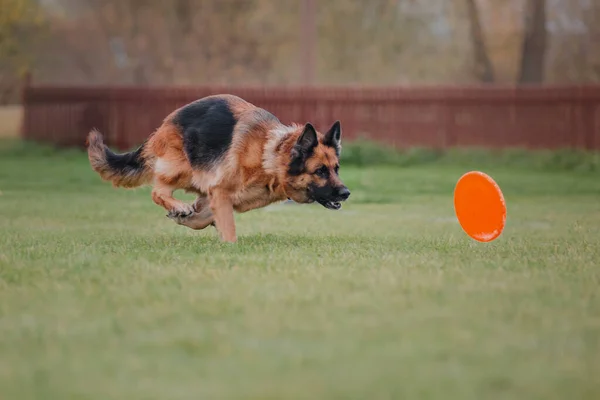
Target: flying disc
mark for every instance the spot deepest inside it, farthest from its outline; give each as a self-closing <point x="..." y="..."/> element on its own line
<point x="479" y="206"/>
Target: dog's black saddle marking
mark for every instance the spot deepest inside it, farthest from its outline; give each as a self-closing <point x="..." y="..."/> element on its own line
<point x="207" y="127"/>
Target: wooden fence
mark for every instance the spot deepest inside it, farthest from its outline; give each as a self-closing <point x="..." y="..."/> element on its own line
<point x="493" y="117"/>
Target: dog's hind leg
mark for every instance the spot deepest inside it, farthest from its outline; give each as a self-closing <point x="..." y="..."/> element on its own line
<point x="162" y="194"/>
<point x="200" y="218"/>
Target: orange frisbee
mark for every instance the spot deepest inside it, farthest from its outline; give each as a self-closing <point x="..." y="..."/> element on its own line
<point x="479" y="206"/>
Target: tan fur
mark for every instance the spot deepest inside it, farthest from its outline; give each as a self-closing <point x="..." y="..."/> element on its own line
<point x="252" y="174"/>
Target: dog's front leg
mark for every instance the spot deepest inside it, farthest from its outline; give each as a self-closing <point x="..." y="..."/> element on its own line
<point x="222" y="210"/>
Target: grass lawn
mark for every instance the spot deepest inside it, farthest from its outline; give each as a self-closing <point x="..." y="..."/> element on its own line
<point x="102" y="297"/>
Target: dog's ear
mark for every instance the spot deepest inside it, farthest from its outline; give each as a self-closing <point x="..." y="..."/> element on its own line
<point x="308" y="139"/>
<point x="333" y="137"/>
<point x="303" y="148"/>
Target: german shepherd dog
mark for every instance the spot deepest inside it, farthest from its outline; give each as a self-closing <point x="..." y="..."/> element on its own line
<point x="234" y="156"/>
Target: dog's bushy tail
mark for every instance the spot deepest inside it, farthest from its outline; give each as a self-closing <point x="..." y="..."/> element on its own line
<point x="123" y="170"/>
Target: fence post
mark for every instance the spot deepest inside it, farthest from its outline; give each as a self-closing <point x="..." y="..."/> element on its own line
<point x="449" y="122"/>
<point x="587" y="116"/>
<point x="586" y="102"/>
<point x="25" y="84"/>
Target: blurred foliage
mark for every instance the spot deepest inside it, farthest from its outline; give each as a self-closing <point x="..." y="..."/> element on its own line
<point x="21" y="22"/>
<point x="258" y="42"/>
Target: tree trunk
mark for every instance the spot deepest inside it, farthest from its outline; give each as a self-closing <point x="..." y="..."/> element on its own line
<point x="534" y="43"/>
<point x="484" y="70"/>
<point x="309" y="40"/>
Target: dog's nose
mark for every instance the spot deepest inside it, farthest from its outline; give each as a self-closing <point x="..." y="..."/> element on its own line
<point x="344" y="193"/>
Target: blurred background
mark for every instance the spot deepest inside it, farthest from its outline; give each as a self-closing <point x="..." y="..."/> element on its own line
<point x="275" y="42"/>
<point x="406" y="72"/>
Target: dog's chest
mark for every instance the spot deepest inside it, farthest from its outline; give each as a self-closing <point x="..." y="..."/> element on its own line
<point x="251" y="194"/>
<point x="254" y="197"/>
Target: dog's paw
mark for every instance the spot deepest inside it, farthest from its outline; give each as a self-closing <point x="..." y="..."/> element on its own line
<point x="180" y="219"/>
<point x="187" y="210"/>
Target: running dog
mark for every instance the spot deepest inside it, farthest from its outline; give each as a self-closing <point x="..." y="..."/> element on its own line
<point x="234" y="156"/>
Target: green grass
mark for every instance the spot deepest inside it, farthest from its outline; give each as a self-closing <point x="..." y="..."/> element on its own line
<point x="102" y="297"/>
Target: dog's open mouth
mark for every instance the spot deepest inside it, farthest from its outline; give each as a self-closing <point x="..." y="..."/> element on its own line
<point x="331" y="205"/>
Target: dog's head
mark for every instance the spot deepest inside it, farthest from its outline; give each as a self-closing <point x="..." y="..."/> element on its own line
<point x="312" y="173"/>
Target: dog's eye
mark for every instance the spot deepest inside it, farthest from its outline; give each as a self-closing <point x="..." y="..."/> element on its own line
<point x="336" y="169"/>
<point x="322" y="172"/>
